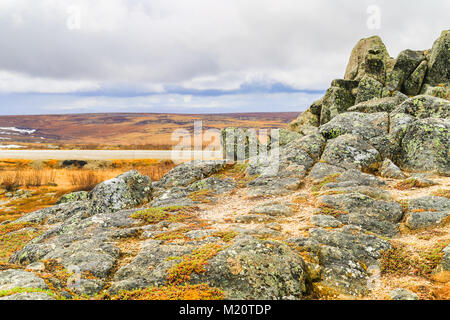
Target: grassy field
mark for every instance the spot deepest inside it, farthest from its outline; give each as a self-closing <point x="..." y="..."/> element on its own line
<point x="130" y="131"/>
<point x="27" y="185"/>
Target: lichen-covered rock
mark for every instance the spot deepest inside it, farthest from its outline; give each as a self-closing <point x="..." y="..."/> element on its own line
<point x="390" y="170"/>
<point x="350" y="152"/>
<point x="377" y="216"/>
<point x="369" y="56"/>
<point x="57" y="213"/>
<point x="406" y="62"/>
<point x="386" y="104"/>
<point x="150" y="266"/>
<point x="273" y="209"/>
<point x="403" y="294"/>
<point x="28" y="296"/>
<point x="441" y="91"/>
<point x="305" y="123"/>
<point x="425" y="106"/>
<point x="335" y="101"/>
<point x="413" y="83"/>
<point x="255" y="269"/>
<point x="427" y="211"/>
<point x="189" y="172"/>
<point x="321" y="170"/>
<point x="128" y="190"/>
<point x="425" y="146"/>
<point x="346" y="256"/>
<point x="445" y="263"/>
<point x="325" y="221"/>
<point x="13" y="278"/>
<point x="368" y="89"/>
<point x="73" y="196"/>
<point x="286" y="137"/>
<point x="439" y="64"/>
<point x="364" y="125"/>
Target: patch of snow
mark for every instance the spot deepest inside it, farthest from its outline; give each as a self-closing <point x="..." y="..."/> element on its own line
<point x="10" y="146"/>
<point x="23" y="131"/>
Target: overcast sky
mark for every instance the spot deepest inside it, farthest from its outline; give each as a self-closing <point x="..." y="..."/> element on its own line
<point x="194" y="56"/>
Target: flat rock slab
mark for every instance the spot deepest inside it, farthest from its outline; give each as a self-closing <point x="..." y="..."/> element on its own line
<point x="13" y="278"/>
<point x="273" y="209"/>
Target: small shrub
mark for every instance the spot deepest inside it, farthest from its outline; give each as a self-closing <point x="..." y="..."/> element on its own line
<point x="194" y="262"/>
<point x="157" y="214"/>
<point x="171" y="292"/>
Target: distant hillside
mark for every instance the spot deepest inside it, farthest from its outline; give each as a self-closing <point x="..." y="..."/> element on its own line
<point x="125" y="129"/>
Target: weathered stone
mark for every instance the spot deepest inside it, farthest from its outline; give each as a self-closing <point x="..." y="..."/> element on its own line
<point x="12" y="278"/>
<point x="28" y="296"/>
<point x="369" y="89"/>
<point x="445" y="263"/>
<point x="424" y="106"/>
<point x="427" y="211"/>
<point x="335" y="101"/>
<point x="273" y="209"/>
<point x="189" y="172"/>
<point x="368" y="57"/>
<point x="350" y="152"/>
<point x="304" y="123"/>
<point x="403" y="294"/>
<point x="254" y="218"/>
<point x="390" y="170"/>
<point x="407" y="61"/>
<point x="413" y="83"/>
<point x="363" y="125"/>
<point x="149" y="267"/>
<point x="439" y="62"/>
<point x="325" y="221"/>
<point x="254" y="269"/>
<point x="346" y="256"/>
<point x="74" y="196"/>
<point x="321" y="170"/>
<point x="387" y="104"/>
<point x="425" y="146"/>
<point x="125" y="191"/>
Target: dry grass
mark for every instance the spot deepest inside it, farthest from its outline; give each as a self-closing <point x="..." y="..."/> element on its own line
<point x="85" y="180"/>
<point x="12" y="180"/>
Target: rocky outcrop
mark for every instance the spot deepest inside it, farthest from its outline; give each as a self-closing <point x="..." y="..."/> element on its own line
<point x="439" y="62"/>
<point x="131" y="233"/>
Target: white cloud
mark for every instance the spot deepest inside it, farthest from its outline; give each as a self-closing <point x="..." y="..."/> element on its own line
<point x="143" y="45"/>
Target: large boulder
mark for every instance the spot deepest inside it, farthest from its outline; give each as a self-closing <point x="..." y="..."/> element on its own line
<point x="377" y="216"/>
<point x="439" y="63"/>
<point x="347" y="255"/>
<point x="427" y="211"/>
<point x="12" y="278"/>
<point x="364" y="125"/>
<point x="425" y="146"/>
<point x="255" y="269"/>
<point x="189" y="172"/>
<point x="386" y="104"/>
<point x="425" y="106"/>
<point x="368" y="89"/>
<point x="335" y="101"/>
<point x="351" y="152"/>
<point x="368" y="57"/>
<point x="407" y="61"/>
<point x="128" y="190"/>
<point x="413" y="83"/>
